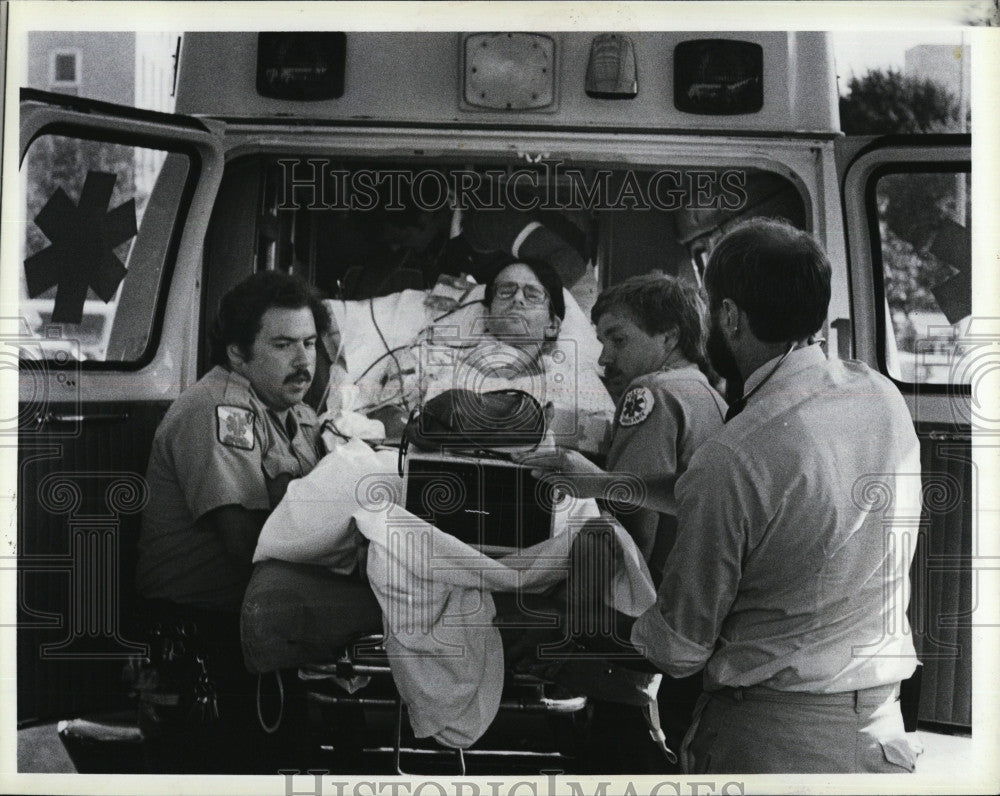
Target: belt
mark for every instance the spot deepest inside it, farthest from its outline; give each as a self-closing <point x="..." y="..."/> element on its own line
<point x="862" y="698"/>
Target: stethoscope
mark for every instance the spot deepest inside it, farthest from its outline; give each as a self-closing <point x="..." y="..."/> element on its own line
<point x="740" y="403"/>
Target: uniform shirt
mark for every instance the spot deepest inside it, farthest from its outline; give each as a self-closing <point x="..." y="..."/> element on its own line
<point x="218" y="445"/>
<point x="797" y="527"/>
<point x="659" y="422"/>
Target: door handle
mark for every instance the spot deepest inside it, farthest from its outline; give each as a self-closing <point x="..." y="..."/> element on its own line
<point x="950" y="436"/>
<point x="56" y="418"/>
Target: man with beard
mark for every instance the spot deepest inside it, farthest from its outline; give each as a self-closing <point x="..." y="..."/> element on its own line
<point x="221" y="460"/>
<point x="788" y="583"/>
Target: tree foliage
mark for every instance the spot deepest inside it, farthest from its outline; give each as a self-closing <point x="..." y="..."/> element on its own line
<point x="912" y="207"/>
<point x="55" y="162"/>
<point x="883" y="102"/>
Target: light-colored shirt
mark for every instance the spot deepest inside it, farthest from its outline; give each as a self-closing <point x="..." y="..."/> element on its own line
<point x="660" y="420"/>
<point x="797" y="526"/>
<point x="218" y="445"/>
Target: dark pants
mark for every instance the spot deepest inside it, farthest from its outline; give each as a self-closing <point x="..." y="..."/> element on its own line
<point x="298" y="614"/>
<point x="583" y="644"/>
<point x="213" y="728"/>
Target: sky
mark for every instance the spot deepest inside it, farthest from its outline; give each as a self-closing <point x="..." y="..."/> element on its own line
<point x="857" y="52"/>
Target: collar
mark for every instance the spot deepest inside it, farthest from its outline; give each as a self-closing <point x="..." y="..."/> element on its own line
<point x="794" y="361"/>
<point x="235" y="382"/>
<point x="238" y="386"/>
<point x="680" y="363"/>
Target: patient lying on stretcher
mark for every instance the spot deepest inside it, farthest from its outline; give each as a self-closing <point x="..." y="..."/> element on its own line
<point x="305" y="599"/>
<point x="520" y="331"/>
<point x="525" y="310"/>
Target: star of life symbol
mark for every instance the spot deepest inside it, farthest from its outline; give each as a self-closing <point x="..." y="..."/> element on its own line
<point x="636" y="406"/>
<point x="235" y="427"/>
<point x="81" y="256"/>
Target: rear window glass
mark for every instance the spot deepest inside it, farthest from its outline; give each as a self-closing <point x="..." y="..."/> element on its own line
<point x="98" y="218"/>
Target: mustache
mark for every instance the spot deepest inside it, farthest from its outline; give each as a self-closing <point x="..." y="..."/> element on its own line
<point x="611" y="373"/>
<point x="300" y="373"/>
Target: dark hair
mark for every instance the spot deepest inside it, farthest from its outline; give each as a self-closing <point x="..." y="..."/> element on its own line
<point x="545" y="274"/>
<point x="777" y="274"/>
<point x="242" y="308"/>
<point x="659" y="303"/>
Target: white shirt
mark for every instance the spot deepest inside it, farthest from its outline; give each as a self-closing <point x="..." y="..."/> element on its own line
<point x="797" y="525"/>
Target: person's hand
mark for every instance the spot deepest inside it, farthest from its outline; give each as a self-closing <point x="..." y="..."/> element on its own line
<point x="586" y="478"/>
<point x="559" y="460"/>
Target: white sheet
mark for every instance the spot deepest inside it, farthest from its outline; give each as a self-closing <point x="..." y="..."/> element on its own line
<point x="435" y="591"/>
<point x="429" y="352"/>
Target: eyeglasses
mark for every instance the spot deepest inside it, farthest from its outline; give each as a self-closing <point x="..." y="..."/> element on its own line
<point x="533" y="294"/>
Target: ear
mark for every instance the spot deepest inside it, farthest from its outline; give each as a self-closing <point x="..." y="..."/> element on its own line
<point x="731" y="317"/>
<point x="236" y="356"/>
<point x="670" y="339"/>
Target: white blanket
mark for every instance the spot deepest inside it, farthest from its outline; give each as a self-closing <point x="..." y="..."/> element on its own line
<point x="445" y="652"/>
<point x="434" y="590"/>
<point x="312" y="523"/>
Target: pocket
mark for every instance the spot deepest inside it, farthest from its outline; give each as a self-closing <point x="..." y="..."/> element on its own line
<point x="278" y="471"/>
<point x="276" y="464"/>
<point x="696" y="754"/>
<point x="898" y="752"/>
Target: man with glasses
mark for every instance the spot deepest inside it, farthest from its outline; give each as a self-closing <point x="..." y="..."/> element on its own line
<point x="524" y="311"/>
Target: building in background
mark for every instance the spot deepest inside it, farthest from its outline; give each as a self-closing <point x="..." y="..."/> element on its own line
<point x="127" y="68"/>
<point x="85" y="64"/>
<point x="946" y="64"/>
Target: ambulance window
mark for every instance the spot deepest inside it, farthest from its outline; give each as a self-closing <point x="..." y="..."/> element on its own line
<point x="924" y="229"/>
<point x="99" y="218"/>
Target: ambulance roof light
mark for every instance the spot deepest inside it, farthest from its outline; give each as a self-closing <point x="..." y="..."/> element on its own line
<point x="509" y="71"/>
<point x="611" y="70"/>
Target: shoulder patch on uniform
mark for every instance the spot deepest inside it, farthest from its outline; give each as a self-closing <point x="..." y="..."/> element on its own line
<point x="636" y="406"/>
<point x="234" y="426"/>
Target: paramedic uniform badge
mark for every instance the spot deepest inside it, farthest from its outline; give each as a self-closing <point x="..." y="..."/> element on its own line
<point x="636" y="406"/>
<point x="234" y="427"/>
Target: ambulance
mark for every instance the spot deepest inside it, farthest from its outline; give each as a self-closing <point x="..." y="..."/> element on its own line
<point x="326" y="154"/>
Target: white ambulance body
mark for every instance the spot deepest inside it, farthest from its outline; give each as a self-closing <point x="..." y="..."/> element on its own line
<point x="648" y="144"/>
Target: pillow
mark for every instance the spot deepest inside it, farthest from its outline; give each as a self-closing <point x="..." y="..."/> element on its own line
<point x="400" y="317"/>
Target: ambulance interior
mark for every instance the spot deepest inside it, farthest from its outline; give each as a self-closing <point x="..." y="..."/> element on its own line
<point x="602" y="223"/>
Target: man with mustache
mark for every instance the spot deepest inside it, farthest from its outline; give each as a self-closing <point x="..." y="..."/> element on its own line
<point x="789" y="581"/>
<point x="221" y="460"/>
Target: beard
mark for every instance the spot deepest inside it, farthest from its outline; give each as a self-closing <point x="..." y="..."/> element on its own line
<point x="722" y="358"/>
